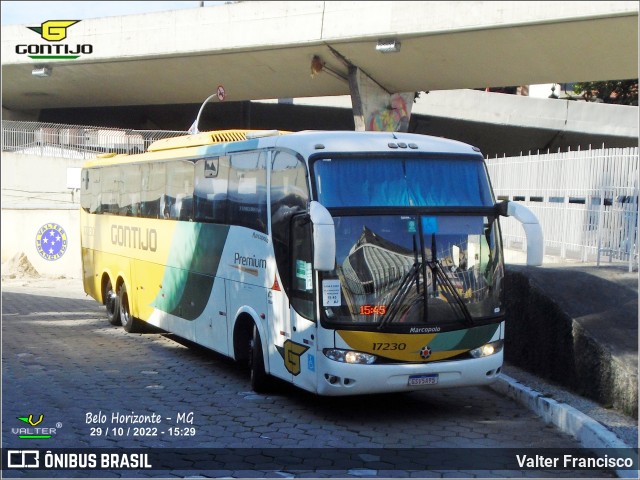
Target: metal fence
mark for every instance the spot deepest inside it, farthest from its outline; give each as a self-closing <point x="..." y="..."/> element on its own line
<point x="586" y="201"/>
<point x="76" y="141"/>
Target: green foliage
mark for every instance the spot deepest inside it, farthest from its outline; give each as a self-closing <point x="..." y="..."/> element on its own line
<point x="621" y="92"/>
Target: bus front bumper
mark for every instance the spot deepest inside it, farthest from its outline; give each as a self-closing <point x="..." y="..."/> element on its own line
<point x="336" y="378"/>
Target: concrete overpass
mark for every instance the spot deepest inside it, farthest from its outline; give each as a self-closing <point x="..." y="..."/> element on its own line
<point x="162" y="63"/>
<point x="261" y="50"/>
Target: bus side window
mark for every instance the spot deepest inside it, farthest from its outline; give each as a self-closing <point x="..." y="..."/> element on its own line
<point x="179" y="187"/>
<point x="110" y="190"/>
<point x="301" y="267"/>
<point x="153" y="181"/>
<point x="85" y="193"/>
<point x="289" y="196"/>
<point x="91" y="190"/>
<point x="211" y="185"/>
<point x="129" y="203"/>
<point x="247" y="195"/>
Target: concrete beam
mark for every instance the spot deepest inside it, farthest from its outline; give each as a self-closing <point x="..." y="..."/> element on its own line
<point x="516" y="111"/>
<point x="263" y="50"/>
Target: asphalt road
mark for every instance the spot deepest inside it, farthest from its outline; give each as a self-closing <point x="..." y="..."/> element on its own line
<point x="98" y="387"/>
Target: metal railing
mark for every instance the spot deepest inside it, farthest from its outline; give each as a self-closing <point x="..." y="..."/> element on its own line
<point x="586" y="201"/>
<point x="76" y="141"/>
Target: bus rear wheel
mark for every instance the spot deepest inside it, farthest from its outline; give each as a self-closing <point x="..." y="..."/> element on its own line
<point x="111" y="303"/>
<point x="259" y="377"/>
<point x="129" y="322"/>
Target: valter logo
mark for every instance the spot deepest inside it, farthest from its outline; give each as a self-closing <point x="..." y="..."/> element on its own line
<point x="54" y="31"/>
<point x="34" y="430"/>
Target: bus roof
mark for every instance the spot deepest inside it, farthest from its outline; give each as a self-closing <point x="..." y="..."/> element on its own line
<point x="210" y="138"/>
<point x="313" y="142"/>
<point x="307" y="143"/>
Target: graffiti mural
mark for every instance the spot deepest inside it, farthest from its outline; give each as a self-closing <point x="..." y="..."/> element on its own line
<point x="392" y="118"/>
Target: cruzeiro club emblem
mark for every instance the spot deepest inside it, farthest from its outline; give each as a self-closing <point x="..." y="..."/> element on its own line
<point x="51" y="241"/>
<point x="425" y="352"/>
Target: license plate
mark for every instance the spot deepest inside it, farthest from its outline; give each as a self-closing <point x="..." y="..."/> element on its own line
<point x="423" y="379"/>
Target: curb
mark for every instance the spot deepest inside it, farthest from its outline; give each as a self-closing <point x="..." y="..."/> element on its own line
<point x="588" y="432"/>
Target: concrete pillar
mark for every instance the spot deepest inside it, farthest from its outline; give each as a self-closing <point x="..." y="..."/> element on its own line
<point x="376" y="109"/>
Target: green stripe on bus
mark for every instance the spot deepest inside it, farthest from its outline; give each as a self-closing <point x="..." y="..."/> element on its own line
<point x="464" y="339"/>
<point x="191" y="268"/>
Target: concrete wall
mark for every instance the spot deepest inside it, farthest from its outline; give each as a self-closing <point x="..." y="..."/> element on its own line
<point x="34" y="194"/>
<point x="19" y="231"/>
<point x="577" y="327"/>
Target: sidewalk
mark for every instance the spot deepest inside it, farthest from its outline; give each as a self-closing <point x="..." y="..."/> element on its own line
<point x="614" y="427"/>
<point x="594" y="426"/>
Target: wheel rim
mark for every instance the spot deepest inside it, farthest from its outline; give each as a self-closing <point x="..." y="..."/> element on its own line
<point x="252" y="346"/>
<point x="110" y="299"/>
<point x="124" y="308"/>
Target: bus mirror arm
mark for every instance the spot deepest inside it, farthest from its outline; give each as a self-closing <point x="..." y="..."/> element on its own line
<point x="532" y="229"/>
<point x="502" y="208"/>
<point x="324" y="237"/>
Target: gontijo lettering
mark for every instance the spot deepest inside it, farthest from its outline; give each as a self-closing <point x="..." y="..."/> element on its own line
<point x="134" y="237"/>
<point x="54" y="31"/>
<point x="47" y="49"/>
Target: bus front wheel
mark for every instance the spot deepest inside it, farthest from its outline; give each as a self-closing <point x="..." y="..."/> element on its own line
<point x="259" y="377"/>
<point x="129" y="322"/>
<point x="111" y="303"/>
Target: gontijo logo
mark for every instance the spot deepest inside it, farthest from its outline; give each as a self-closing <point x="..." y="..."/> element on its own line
<point x="54" y="31"/>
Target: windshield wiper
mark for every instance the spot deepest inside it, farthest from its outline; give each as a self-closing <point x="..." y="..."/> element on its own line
<point x="445" y="282"/>
<point x="401" y="292"/>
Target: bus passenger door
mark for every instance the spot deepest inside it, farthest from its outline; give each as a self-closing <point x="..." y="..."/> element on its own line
<point x="291" y="309"/>
<point x="301" y="350"/>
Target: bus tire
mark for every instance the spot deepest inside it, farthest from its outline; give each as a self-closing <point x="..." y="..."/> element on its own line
<point x="259" y="377"/>
<point x="129" y="322"/>
<point x="111" y="303"/>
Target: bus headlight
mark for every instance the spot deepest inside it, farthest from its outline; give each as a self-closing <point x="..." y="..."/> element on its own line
<point x="349" y="356"/>
<point x="487" y="349"/>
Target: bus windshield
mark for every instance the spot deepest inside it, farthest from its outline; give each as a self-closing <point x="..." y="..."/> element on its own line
<point x="404" y="270"/>
<point x="402" y="182"/>
<point x="401" y="266"/>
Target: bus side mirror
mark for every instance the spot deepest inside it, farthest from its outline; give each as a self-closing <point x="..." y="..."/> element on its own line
<point x="324" y="237"/>
<point x="532" y="229"/>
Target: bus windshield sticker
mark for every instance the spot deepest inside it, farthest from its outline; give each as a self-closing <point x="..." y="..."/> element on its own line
<point x="211" y="167"/>
<point x="331" y="293"/>
<point x="301" y="269"/>
<point x="308" y="277"/>
<point x="304" y="272"/>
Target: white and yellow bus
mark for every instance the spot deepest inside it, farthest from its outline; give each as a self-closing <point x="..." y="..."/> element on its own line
<point x="342" y="262"/>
